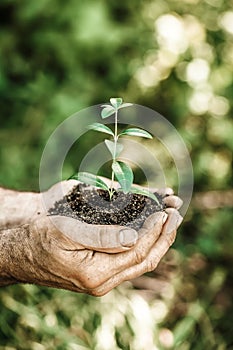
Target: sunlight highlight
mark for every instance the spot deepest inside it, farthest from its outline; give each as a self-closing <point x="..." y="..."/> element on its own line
<point x="226" y="22"/>
<point x="197" y="72"/>
<point x="171" y="33"/>
<point x="199" y="102"/>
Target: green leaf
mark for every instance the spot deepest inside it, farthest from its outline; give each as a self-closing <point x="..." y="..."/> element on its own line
<point x="144" y="192"/>
<point x="110" y="145"/>
<point x="124" y="175"/>
<point x="136" y="132"/>
<point x="107" y="111"/>
<point x="116" y="102"/>
<point x="125" y="105"/>
<point x="100" y="127"/>
<point x="106" y="105"/>
<point x="90" y="179"/>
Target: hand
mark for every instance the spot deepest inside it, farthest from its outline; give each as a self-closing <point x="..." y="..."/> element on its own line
<point x="69" y="265"/>
<point x="39" y="253"/>
<point x="106" y="238"/>
<point x="52" y="259"/>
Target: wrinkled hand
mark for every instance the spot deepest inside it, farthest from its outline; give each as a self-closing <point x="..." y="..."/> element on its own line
<point x="106" y="238"/>
<point x="66" y="260"/>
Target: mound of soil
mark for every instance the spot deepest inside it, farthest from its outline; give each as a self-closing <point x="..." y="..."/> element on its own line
<point x="93" y="206"/>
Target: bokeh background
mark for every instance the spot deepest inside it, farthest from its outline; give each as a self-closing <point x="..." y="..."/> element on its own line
<point x="175" y="57"/>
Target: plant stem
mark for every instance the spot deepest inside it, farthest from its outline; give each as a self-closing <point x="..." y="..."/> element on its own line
<point x="114" y="153"/>
<point x="115" y="136"/>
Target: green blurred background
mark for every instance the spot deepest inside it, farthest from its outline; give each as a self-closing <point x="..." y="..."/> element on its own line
<point x="175" y="57"/>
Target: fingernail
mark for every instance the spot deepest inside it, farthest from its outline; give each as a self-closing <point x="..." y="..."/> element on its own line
<point x="128" y="237"/>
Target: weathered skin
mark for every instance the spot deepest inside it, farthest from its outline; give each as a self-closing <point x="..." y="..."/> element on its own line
<point x="34" y="250"/>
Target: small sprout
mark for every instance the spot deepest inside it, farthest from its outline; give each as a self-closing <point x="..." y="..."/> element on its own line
<point x="120" y="170"/>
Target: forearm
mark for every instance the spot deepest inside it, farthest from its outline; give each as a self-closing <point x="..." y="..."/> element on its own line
<point x="33" y="254"/>
<point x="12" y="254"/>
<point x="17" y="208"/>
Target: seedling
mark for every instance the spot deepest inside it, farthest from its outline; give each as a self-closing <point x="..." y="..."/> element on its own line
<point x="121" y="171"/>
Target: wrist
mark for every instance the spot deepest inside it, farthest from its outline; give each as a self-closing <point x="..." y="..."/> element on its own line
<point x="18" y="208"/>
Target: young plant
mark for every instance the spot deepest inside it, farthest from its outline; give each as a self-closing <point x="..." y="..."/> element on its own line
<point x="121" y="171"/>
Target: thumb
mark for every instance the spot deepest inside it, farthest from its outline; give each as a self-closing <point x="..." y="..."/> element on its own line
<point x="104" y="238"/>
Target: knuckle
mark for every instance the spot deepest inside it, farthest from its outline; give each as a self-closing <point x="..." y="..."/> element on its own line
<point x="140" y="255"/>
<point x="171" y="239"/>
<point x="153" y="263"/>
<point x="89" y="283"/>
<point x="97" y="293"/>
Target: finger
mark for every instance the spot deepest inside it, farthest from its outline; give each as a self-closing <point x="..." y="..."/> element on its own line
<point x="95" y="268"/>
<point x="173" y="201"/>
<point x="143" y="245"/>
<point x="57" y="192"/>
<point x="155" y="255"/>
<point x="174" y="220"/>
<point x="150" y="224"/>
<point x="167" y="191"/>
<point x="112" y="264"/>
<point x="104" y="238"/>
<point x="149" y="234"/>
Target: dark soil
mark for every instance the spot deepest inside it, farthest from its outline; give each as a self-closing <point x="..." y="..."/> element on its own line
<point x="94" y="207"/>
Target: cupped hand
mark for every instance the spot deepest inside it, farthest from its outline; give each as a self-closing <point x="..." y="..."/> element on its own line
<point x="67" y="261"/>
<point x="105" y="238"/>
